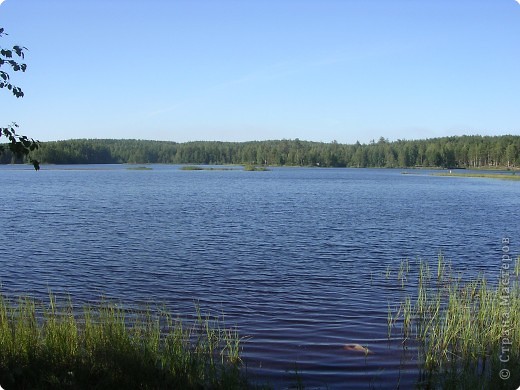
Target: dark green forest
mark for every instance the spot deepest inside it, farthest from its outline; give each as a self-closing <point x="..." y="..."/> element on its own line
<point x="447" y="152"/>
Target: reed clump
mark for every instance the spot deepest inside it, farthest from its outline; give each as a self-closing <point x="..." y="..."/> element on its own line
<point x="140" y="168"/>
<point x="191" y="168"/>
<point x="199" y="168"/>
<point x="251" y="167"/>
<point x="466" y="330"/>
<point x="46" y="345"/>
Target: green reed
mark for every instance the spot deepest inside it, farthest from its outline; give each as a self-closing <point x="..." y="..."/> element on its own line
<point x="458" y="325"/>
<point x="251" y="167"/>
<point x="51" y="345"/>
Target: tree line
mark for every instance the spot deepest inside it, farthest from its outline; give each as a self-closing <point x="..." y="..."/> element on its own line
<point x="448" y="152"/>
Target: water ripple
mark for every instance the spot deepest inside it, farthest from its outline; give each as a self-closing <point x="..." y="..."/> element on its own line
<point x="295" y="258"/>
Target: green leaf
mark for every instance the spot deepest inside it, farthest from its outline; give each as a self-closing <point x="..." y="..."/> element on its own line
<point x="18" y="50"/>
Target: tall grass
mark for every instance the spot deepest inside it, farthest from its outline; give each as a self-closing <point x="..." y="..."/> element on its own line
<point x="461" y="327"/>
<point x="51" y="345"/>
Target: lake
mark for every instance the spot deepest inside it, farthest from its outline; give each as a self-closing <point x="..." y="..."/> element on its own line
<point x="296" y="258"/>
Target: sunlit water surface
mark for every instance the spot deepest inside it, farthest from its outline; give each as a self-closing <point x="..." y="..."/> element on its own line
<point x="296" y="258"/>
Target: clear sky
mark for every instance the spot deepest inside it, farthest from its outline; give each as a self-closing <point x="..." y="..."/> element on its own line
<point x="318" y="70"/>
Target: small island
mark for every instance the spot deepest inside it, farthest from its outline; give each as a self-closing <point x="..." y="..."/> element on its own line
<point x="250" y="167"/>
<point x="500" y="176"/>
<point x="141" y="168"/>
<point x="247" y="167"/>
<point x="199" y="168"/>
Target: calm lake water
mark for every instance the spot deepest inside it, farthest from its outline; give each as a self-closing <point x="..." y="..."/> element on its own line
<point x="295" y="257"/>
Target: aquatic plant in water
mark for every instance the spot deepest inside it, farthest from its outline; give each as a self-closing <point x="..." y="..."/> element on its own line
<point x="467" y="329"/>
<point x="107" y="346"/>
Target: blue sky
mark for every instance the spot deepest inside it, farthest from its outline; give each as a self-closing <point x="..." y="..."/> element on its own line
<point x="320" y="70"/>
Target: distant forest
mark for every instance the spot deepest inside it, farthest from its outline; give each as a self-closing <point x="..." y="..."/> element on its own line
<point x="447" y="152"/>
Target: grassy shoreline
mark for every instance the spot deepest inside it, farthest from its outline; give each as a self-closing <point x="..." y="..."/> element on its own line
<point x="54" y="346"/>
<point x="501" y="176"/>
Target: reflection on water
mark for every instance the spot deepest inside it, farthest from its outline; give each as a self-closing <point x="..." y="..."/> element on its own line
<point x="296" y="258"/>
